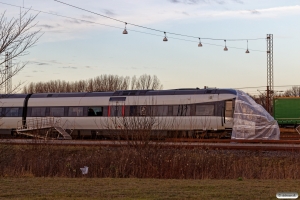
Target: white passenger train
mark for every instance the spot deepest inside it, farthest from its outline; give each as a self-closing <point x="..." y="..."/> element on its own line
<point x="186" y="110"/>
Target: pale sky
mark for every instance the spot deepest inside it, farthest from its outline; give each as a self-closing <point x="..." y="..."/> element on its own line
<point x="73" y="50"/>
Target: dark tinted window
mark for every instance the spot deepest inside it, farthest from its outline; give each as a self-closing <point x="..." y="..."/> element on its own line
<point x="117" y="98"/>
<point x="133" y="111"/>
<point x="95" y="111"/>
<point x="160" y="110"/>
<point x="143" y="110"/>
<point x="205" y="110"/>
<point x="181" y="110"/>
<point x="75" y="112"/>
<point x="38" y="112"/>
<point x="11" y="112"/>
<point x="57" y="111"/>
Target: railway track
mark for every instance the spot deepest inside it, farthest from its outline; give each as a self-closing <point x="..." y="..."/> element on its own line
<point x="263" y="145"/>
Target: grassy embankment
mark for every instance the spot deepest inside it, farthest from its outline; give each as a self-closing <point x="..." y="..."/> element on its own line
<point x="130" y="188"/>
<point x="53" y="172"/>
<point x="146" y="162"/>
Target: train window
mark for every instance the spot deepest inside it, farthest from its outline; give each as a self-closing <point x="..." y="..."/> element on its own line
<point x="143" y="110"/>
<point x="95" y="111"/>
<point x="38" y="112"/>
<point x="205" y="110"/>
<point x="1" y="114"/>
<point x="20" y="112"/>
<point x="105" y="111"/>
<point x="133" y="111"/>
<point x="75" y="112"/>
<point x="11" y="112"/>
<point x="160" y="110"/>
<point x="57" y="111"/>
<point x="170" y="110"/>
<point x="181" y="110"/>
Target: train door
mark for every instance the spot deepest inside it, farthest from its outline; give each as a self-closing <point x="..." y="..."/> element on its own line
<point x="228" y="113"/>
<point x="116" y="112"/>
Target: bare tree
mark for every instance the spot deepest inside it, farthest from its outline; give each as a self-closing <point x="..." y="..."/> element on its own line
<point x="294" y="92"/>
<point x="16" y="37"/>
<point x="260" y="99"/>
<point x="100" y="83"/>
<point x="145" y="82"/>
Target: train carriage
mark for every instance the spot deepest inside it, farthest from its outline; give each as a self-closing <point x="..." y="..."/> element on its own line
<point x="11" y="111"/>
<point x="187" y="110"/>
<point x="287" y="111"/>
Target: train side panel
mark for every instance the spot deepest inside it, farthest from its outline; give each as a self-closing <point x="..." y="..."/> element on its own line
<point x="287" y="110"/>
<point x="11" y="114"/>
<point x="170" y="122"/>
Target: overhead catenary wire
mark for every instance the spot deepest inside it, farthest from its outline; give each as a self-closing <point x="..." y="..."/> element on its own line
<point x="255" y="87"/>
<point x="145" y="27"/>
<point x="111" y="26"/>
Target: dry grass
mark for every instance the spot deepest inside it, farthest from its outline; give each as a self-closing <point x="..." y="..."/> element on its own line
<point x="130" y="188"/>
<point x="146" y="162"/>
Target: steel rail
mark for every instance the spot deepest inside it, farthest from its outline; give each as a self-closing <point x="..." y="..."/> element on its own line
<point x="228" y="145"/>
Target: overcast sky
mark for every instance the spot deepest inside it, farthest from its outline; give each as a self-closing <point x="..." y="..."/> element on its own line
<point x="72" y="49"/>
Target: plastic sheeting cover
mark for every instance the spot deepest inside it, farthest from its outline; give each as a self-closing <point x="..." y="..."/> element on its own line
<point x="252" y="121"/>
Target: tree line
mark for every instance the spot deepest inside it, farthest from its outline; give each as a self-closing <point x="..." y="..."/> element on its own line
<point x="100" y="83"/>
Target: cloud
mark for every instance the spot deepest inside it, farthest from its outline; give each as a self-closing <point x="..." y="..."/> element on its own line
<point x="43" y="64"/>
<point x="109" y="12"/>
<point x="69" y="67"/>
<point x="238" y="1"/>
<point x="46" y="26"/>
<point x="55" y="61"/>
<point x="88" y="17"/>
<point x="221" y="2"/>
<point x="186" y="1"/>
<point x="39" y="63"/>
<point x="255" y="12"/>
<point x="266" y="13"/>
<point x="73" y="21"/>
<point x="35" y="71"/>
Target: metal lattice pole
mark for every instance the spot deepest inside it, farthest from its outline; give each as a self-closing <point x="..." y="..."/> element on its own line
<point x="8" y="74"/>
<point x="270" y="76"/>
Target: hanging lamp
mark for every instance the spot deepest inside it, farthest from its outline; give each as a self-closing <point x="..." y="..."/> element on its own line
<point x="247" y="51"/>
<point x="125" y="31"/>
<point x="165" y="38"/>
<point x="200" y="44"/>
<point x="225" y="48"/>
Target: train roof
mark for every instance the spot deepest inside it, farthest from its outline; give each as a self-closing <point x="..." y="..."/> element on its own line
<point x="183" y="91"/>
<point x="6" y="96"/>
